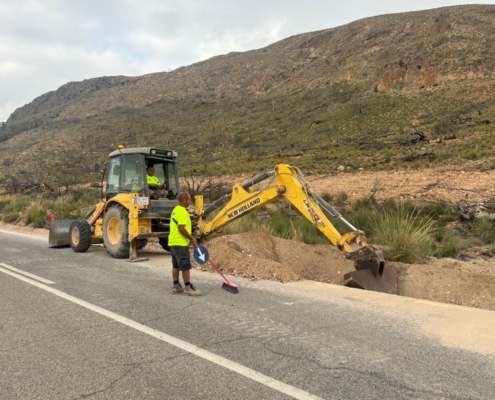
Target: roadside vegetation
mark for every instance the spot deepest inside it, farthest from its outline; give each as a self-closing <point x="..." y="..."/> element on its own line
<point x="33" y="210"/>
<point x="404" y="231"/>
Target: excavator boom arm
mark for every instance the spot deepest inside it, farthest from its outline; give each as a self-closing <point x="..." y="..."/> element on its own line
<point x="368" y="260"/>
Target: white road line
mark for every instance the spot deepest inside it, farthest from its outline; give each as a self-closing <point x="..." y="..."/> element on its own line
<point x="190" y="348"/>
<point x="20" y="271"/>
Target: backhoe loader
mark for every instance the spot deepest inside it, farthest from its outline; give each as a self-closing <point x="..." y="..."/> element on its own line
<point x="126" y="217"/>
<point x="371" y="272"/>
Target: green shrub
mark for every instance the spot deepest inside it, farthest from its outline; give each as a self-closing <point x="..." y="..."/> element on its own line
<point x="17" y="203"/>
<point x="483" y="229"/>
<point x="280" y="224"/>
<point x="36" y="215"/>
<point x="340" y="199"/>
<point x="8" y="208"/>
<point x="11" y="216"/>
<point x="368" y="203"/>
<point x="441" y="233"/>
<point x="3" y="203"/>
<point x="391" y="206"/>
<point x="361" y="219"/>
<point x="406" y="237"/>
<point x="451" y="246"/>
<point x="446" y="218"/>
<point x="490" y="207"/>
<point x="306" y="232"/>
<point x="327" y="197"/>
<point x="87" y="197"/>
<point x="436" y="210"/>
<point x="64" y="207"/>
<point x="471" y="241"/>
<point x="470" y="155"/>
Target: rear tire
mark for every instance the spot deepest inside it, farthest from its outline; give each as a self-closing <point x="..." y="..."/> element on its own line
<point x="80" y="236"/>
<point x="164" y="243"/>
<point x="115" y="231"/>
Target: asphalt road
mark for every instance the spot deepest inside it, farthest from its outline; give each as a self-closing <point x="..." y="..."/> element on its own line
<point x="86" y="326"/>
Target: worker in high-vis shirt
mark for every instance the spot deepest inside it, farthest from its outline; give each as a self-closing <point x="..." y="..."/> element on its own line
<point x="178" y="241"/>
<point x="155" y="187"/>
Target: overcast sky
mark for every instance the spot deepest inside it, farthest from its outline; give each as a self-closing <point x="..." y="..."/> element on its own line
<point x="47" y="43"/>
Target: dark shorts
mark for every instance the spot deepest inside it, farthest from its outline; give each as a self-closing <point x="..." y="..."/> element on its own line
<point x="180" y="257"/>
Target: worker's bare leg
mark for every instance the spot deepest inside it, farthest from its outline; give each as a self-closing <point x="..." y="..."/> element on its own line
<point x="186" y="276"/>
<point x="175" y="274"/>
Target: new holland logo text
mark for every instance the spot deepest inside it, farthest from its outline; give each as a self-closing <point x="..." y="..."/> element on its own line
<point x="243" y="208"/>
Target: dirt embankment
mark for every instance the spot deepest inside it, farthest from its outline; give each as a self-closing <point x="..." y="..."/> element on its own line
<point x="257" y="255"/>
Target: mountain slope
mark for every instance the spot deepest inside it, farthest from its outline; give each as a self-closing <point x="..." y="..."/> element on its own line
<point x="352" y="95"/>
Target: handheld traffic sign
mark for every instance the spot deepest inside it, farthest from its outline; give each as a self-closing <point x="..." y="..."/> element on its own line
<point x="201" y="254"/>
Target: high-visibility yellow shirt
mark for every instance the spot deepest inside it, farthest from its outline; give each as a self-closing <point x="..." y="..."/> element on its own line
<point x="153" y="180"/>
<point x="180" y="216"/>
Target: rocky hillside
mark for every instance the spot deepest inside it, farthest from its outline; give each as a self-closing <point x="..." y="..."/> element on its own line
<point x="355" y="95"/>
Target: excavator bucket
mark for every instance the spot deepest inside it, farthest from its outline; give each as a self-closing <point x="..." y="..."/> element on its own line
<point x="371" y="272"/>
<point x="59" y="233"/>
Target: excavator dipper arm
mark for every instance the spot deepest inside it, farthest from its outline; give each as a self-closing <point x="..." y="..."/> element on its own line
<point x="370" y="273"/>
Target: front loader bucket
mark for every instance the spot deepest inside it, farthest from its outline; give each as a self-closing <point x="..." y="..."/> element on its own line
<point x="371" y="272"/>
<point x="59" y="233"/>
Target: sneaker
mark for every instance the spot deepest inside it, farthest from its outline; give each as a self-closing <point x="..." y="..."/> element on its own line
<point x="192" y="291"/>
<point x="176" y="290"/>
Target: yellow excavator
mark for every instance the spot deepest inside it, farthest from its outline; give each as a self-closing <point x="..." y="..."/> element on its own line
<point x="371" y="272"/>
<point x="127" y="216"/>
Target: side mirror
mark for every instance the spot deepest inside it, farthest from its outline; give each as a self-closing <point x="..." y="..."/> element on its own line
<point x="96" y="185"/>
<point x="96" y="168"/>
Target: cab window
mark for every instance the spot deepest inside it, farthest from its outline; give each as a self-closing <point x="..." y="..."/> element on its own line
<point x="172" y="183"/>
<point x="113" y="176"/>
<point x="133" y="173"/>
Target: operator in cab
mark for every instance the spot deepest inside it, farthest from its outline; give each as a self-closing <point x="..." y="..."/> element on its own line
<point x="156" y="189"/>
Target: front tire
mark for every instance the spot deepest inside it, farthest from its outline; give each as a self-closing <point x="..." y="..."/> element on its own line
<point x="80" y="236"/>
<point x="115" y="231"/>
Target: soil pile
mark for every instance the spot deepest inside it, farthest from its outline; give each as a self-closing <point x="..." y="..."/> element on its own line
<point x="257" y="255"/>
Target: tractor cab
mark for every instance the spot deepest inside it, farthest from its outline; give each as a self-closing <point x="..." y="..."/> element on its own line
<point x="127" y="174"/>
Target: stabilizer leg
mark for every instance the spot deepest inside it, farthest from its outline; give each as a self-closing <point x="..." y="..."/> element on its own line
<point x="133" y="252"/>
